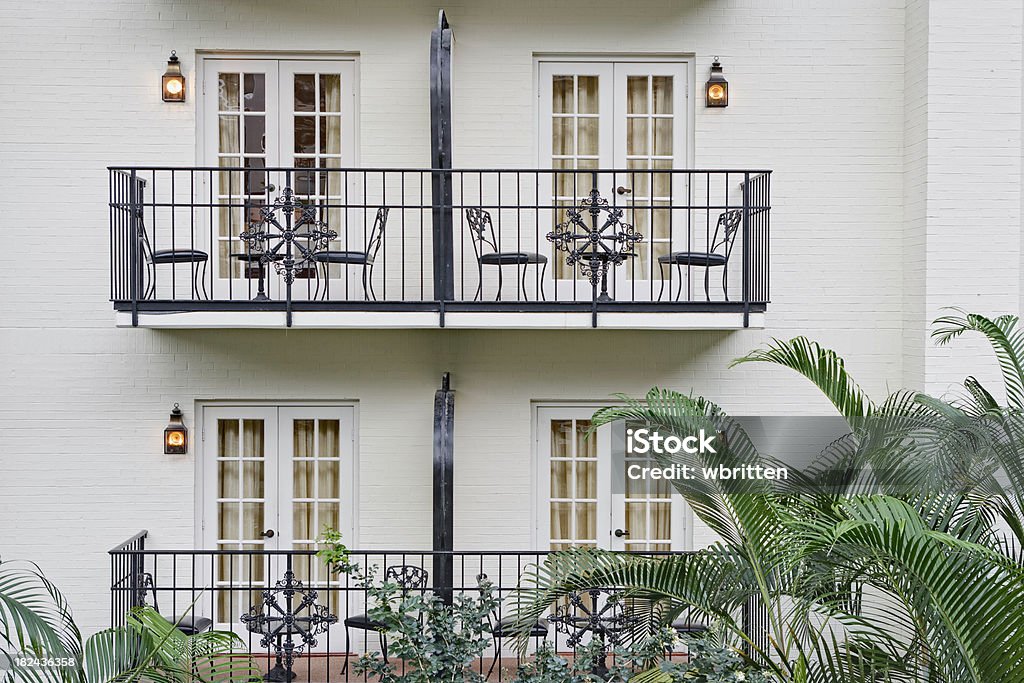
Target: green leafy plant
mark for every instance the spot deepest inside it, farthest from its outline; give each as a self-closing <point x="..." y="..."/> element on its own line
<point x="36" y="621"/>
<point x="900" y="569"/>
<point x="429" y="640"/>
<point x="335" y="554"/>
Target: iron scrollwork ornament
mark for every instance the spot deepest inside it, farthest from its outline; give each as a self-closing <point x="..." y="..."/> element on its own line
<point x="598" y="612"/>
<point x="287" y="235"/>
<point x="288" y="611"/>
<point x="596" y="245"/>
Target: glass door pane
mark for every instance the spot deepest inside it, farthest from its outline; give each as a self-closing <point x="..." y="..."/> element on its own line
<point x="318" y="139"/>
<point x="318" y="490"/>
<point x="241" y="135"/>
<point x="240" y="490"/>
<point x="650" y="120"/>
<point x="576" y="140"/>
<point x="573" y="479"/>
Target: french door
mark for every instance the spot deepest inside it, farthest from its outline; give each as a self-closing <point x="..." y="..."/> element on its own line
<point x="630" y="116"/>
<point x="585" y="498"/>
<point x="266" y="113"/>
<point x="273" y="478"/>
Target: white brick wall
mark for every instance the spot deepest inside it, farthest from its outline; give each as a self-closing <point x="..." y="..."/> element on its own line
<point x="882" y="164"/>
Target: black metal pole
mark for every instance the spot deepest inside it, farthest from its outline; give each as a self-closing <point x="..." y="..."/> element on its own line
<point x="441" y="160"/>
<point x="134" y="219"/>
<point x="746" y="250"/>
<point x="444" y="489"/>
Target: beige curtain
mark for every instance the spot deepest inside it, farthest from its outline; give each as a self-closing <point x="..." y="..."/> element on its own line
<point x="304" y="477"/>
<point x="574" y="480"/>
<point x="330" y="95"/>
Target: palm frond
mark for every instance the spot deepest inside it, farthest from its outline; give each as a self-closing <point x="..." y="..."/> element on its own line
<point x="1006" y="339"/>
<point x="824" y="367"/>
<point x="35" y="617"/>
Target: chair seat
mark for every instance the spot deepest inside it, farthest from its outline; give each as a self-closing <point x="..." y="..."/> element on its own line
<point x="191" y="625"/>
<point x="356" y="257"/>
<point x="364" y="622"/>
<point x="511" y="258"/>
<point x="179" y="256"/>
<point x="504" y="628"/>
<point x="687" y="626"/>
<point x="693" y="258"/>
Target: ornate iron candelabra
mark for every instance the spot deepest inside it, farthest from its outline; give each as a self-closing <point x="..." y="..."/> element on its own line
<point x="287" y="235"/>
<point x="288" y="611"/>
<point x="596" y="246"/>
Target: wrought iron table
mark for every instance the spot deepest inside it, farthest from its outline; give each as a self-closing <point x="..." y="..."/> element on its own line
<point x="281" y="624"/>
<point x="599" y="612"/>
<point x="287" y="234"/>
<point x="596" y="245"/>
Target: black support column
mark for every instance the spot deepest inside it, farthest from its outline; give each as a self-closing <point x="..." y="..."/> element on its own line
<point x="444" y="491"/>
<point x="441" y="160"/>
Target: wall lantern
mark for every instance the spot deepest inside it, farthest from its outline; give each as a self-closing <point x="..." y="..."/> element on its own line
<point x="716" y="90"/>
<point x="176" y="434"/>
<point x="173" y="81"/>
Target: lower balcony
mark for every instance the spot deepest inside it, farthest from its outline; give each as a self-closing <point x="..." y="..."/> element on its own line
<point x="363" y="248"/>
<point x="274" y="599"/>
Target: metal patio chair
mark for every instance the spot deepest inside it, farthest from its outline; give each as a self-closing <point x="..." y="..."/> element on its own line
<point x="506" y="628"/>
<point x="718" y="255"/>
<point x="358" y="258"/>
<point x="409" y="578"/>
<point x="173" y="256"/>
<point x="189" y="624"/>
<point x="488" y="253"/>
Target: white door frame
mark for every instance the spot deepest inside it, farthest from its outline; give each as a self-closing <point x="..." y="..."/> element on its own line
<point x="278" y="445"/>
<point x="611" y="507"/>
<point x="207" y="64"/>
<point x="613" y="71"/>
<point x="204" y="485"/>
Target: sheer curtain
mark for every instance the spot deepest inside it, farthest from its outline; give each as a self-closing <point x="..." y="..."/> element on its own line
<point x="574" y="484"/>
<point x="330" y="132"/>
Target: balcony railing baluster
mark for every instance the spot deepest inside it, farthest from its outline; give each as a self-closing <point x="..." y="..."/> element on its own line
<point x="181" y="240"/>
<point x="215" y="582"/>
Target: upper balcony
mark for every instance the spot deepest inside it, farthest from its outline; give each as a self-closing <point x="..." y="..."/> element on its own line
<point x="420" y="248"/>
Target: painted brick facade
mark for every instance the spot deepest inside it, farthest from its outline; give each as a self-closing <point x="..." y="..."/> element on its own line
<point x="895" y="193"/>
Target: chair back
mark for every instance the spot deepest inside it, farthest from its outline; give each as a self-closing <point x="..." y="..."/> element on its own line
<point x="481" y="229"/>
<point x="135" y="205"/>
<point x="725" y="232"/>
<point x="377" y="233"/>
<point x="143" y="586"/>
<point x="408" y="577"/>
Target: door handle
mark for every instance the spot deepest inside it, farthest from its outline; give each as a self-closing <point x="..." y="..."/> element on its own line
<point x="623" y="190"/>
<point x="619" y="533"/>
<point x="269" y="533"/>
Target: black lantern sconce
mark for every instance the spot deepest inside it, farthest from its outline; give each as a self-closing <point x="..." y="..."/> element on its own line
<point x="172" y="85"/>
<point x="716" y="90"/>
<point x="176" y="434"/>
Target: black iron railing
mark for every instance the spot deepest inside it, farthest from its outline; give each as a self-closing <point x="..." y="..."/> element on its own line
<point x="226" y="586"/>
<point x="316" y="239"/>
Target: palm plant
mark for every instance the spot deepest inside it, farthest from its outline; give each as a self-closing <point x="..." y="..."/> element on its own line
<point x="896" y="570"/>
<point x="35" y="619"/>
